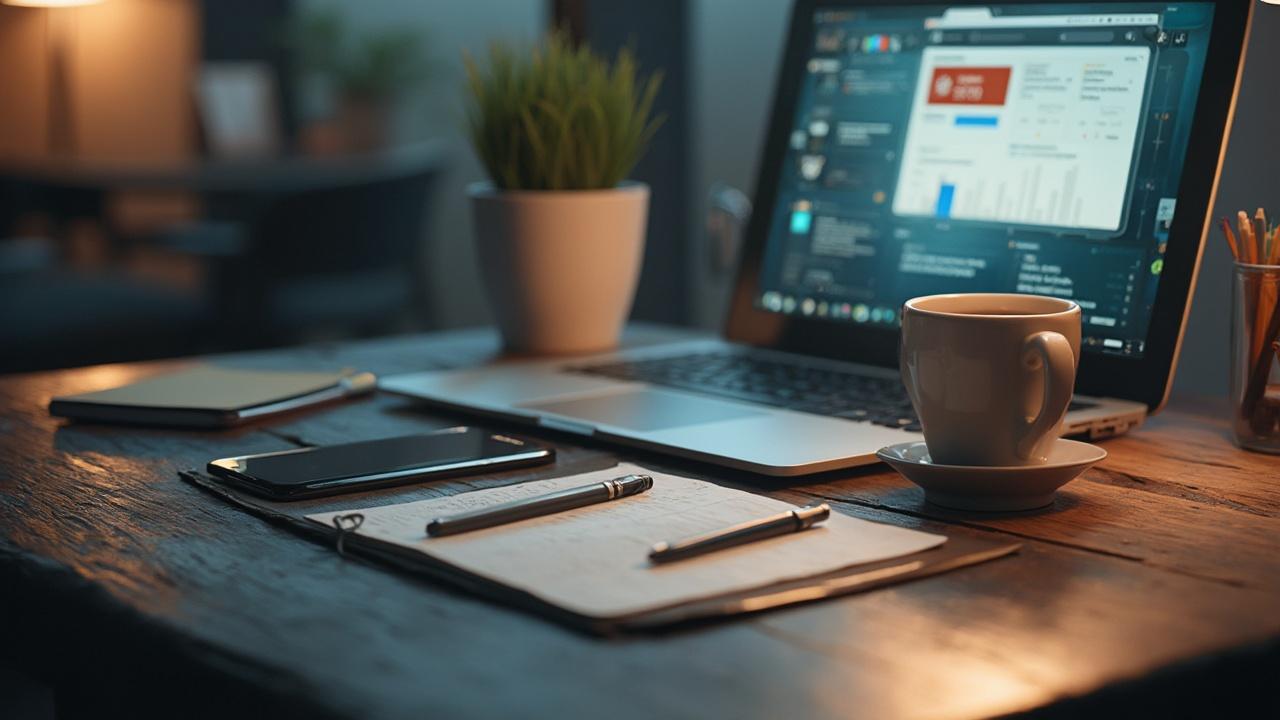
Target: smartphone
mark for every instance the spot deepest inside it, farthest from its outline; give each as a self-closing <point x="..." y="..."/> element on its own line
<point x="353" y="467"/>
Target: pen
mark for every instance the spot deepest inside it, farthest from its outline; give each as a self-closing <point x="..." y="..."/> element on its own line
<point x="784" y="523"/>
<point x="540" y="505"/>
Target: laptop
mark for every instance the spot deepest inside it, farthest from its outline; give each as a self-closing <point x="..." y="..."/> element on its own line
<point x="915" y="149"/>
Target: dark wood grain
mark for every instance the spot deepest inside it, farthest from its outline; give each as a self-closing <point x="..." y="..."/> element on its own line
<point x="1175" y="495"/>
<point x="1153" y="583"/>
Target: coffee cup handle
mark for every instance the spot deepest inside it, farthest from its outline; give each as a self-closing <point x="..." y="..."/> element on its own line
<point x="1052" y="353"/>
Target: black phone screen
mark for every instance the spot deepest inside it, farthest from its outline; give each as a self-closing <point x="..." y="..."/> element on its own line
<point x="456" y="448"/>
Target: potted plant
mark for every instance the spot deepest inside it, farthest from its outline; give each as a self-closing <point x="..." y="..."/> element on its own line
<point x="360" y="76"/>
<point x="559" y="230"/>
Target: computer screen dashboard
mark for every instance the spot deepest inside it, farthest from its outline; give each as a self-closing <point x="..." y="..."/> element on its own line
<point x="1017" y="147"/>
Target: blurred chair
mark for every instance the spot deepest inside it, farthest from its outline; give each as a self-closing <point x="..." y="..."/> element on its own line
<point x="322" y="263"/>
<point x="54" y="317"/>
<point x="294" y="251"/>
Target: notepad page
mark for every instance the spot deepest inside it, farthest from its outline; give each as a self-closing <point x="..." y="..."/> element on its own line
<point x="594" y="560"/>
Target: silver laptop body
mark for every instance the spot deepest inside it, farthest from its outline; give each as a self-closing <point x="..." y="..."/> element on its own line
<point x="723" y="431"/>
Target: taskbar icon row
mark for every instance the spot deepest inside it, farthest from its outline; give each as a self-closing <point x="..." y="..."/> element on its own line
<point x="777" y="302"/>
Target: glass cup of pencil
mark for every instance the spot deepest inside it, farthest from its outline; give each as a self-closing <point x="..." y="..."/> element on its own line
<point x="1255" y="332"/>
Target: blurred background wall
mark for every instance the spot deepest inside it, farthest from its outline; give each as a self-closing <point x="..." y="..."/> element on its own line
<point x="137" y="210"/>
<point x="434" y="111"/>
<point x="131" y="91"/>
<point x="131" y="96"/>
<point x="1248" y="181"/>
<point x="736" y="51"/>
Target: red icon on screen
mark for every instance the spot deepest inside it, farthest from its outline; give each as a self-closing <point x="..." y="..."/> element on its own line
<point x="969" y="85"/>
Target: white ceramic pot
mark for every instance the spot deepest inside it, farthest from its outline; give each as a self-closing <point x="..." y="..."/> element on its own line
<point x="560" y="268"/>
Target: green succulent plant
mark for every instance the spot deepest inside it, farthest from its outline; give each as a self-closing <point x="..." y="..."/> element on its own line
<point x="559" y="117"/>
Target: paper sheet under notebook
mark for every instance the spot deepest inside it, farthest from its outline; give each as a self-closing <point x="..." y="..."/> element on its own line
<point x="594" y="560"/>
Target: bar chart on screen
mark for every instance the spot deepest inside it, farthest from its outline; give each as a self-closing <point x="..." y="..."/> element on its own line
<point x="1037" y="194"/>
<point x="1036" y="136"/>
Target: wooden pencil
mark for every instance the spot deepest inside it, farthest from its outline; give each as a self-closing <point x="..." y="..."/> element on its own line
<point x="1246" y="236"/>
<point x="1231" y="238"/>
<point x="1253" y="408"/>
<point x="1265" y="314"/>
<point x="1260" y="234"/>
<point x="1266" y="290"/>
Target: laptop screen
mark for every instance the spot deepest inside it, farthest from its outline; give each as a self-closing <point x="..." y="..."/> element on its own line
<point x="1031" y="148"/>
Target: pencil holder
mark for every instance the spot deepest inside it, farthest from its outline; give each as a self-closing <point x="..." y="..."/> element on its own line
<point x="1255" y="344"/>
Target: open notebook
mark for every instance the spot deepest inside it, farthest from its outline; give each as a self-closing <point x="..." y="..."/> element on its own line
<point x="588" y="569"/>
<point x="593" y="562"/>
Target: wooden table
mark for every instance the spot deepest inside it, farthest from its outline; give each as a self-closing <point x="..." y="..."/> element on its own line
<point x="1152" y="586"/>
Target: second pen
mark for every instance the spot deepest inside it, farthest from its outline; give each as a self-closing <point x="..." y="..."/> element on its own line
<point x="539" y="505"/>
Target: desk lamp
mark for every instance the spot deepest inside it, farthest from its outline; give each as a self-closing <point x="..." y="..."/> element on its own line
<point x="59" y="30"/>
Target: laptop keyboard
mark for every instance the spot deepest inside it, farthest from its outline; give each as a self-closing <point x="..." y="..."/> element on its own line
<point x="820" y="391"/>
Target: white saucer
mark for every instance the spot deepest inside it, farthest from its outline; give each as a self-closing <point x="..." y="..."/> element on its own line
<point x="992" y="489"/>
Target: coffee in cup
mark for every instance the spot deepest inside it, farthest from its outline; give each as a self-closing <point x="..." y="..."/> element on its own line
<point x="990" y="374"/>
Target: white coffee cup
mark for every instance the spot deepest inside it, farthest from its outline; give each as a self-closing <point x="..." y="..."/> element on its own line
<point x="990" y="375"/>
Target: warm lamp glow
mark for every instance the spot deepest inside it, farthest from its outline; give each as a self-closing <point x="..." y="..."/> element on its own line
<point x="50" y="3"/>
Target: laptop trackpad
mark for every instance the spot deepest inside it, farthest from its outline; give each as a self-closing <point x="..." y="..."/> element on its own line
<point x="644" y="410"/>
